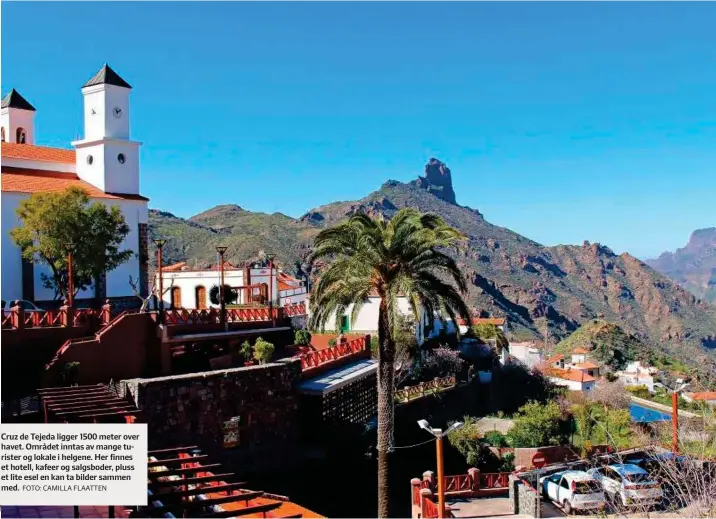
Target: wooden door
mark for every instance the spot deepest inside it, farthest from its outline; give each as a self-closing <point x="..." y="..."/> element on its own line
<point x="201" y="298"/>
<point x="176" y="297"/>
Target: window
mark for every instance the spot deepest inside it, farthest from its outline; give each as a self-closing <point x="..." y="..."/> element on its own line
<point x="121" y="158"/>
<point x="90" y="160"/>
<point x="21" y="136"/>
<point x="176" y="297"/>
<point x="2" y="134"/>
<point x="564" y="483"/>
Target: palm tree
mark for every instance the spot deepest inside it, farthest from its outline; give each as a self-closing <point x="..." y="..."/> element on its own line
<point x="400" y="257"/>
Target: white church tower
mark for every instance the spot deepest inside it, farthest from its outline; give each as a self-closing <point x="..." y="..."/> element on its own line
<point x="17" y="119"/>
<point x="106" y="157"/>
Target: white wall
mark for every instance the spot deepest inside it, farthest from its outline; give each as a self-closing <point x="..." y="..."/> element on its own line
<point x="11" y="265"/>
<point x="572" y="385"/>
<point x="135" y="212"/>
<point x="13" y="118"/>
<point x="526" y="353"/>
<point x="55" y="167"/>
<point x="187" y="281"/>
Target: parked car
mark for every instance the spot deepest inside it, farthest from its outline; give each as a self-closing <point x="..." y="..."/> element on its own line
<point x="628" y="484"/>
<point x="26" y="305"/>
<point x="573" y="490"/>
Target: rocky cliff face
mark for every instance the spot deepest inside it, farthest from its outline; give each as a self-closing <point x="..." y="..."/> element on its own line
<point x="437" y="180"/>
<point x="693" y="266"/>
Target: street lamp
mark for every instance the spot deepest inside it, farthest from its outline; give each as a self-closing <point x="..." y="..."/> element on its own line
<point x="70" y="281"/>
<point x="678" y="388"/>
<point x="160" y="243"/>
<point x="222" y="303"/>
<point x="439" y="435"/>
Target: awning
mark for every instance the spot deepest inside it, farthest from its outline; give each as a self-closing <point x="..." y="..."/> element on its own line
<point x="339" y="377"/>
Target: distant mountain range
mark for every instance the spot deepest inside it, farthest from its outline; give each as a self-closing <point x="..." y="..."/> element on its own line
<point x="693" y="266"/>
<point x="542" y="290"/>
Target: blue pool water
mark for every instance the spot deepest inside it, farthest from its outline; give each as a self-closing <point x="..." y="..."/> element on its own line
<point x="644" y="414"/>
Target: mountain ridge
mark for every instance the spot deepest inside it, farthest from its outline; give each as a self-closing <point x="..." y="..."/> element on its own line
<point x="692" y="266"/>
<point x="545" y="291"/>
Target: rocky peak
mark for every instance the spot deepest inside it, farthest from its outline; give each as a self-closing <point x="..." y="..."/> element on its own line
<point x="437" y="180"/>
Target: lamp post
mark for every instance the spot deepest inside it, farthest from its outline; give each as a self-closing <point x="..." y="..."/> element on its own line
<point x="160" y="243"/>
<point x="270" y="258"/>
<point x="675" y="414"/>
<point x="70" y="281"/>
<point x="222" y="302"/>
<point x="439" y="434"/>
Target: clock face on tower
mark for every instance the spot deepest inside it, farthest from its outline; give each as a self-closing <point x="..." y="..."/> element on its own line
<point x="117" y="111"/>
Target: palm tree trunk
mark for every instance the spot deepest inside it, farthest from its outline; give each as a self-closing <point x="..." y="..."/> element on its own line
<point x="386" y="403"/>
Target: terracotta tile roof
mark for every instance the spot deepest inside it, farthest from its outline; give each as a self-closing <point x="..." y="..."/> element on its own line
<point x="586" y="365"/>
<point x="20" y="180"/>
<point x="497" y="321"/>
<point x="555" y="359"/>
<point x="176" y="267"/>
<point x="569" y="374"/>
<point x="707" y="395"/>
<point x="38" y="153"/>
<point x="580" y="351"/>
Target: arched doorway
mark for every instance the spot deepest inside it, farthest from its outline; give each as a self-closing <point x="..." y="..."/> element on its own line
<point x="201" y="297"/>
<point x="21" y="136"/>
<point x="176" y="297"/>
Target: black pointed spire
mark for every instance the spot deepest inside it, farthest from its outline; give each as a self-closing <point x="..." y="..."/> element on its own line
<point x="13" y="99"/>
<point x="106" y="76"/>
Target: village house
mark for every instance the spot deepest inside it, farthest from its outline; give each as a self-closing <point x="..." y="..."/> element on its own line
<point x="580" y="374"/>
<point x="187" y="287"/>
<point x="526" y="352"/>
<point x="708" y="397"/>
<point x="499" y="322"/>
<point x="105" y="163"/>
<point x="635" y="375"/>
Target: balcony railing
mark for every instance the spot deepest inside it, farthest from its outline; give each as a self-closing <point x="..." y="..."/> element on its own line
<point x="18" y="318"/>
<point x="183" y="316"/>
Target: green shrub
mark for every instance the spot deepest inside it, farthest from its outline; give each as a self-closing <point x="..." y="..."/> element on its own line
<point x="246" y="351"/>
<point x="302" y="337"/>
<point x="508" y="463"/>
<point x="332" y="342"/>
<point x="230" y="295"/>
<point x="495" y="439"/>
<point x="263" y="350"/>
<point x="539" y="425"/>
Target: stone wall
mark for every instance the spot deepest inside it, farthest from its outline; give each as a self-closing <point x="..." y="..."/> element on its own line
<point x="254" y="407"/>
<point x="524" y="499"/>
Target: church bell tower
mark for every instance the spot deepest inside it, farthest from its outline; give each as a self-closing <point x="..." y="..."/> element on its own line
<point x="107" y="158"/>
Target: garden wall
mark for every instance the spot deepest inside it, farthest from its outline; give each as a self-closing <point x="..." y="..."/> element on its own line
<point x="247" y="415"/>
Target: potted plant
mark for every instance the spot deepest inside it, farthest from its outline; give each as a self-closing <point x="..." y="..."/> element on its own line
<point x="247" y="353"/>
<point x="263" y="351"/>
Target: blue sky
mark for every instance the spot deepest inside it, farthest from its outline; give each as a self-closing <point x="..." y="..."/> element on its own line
<point x="561" y="121"/>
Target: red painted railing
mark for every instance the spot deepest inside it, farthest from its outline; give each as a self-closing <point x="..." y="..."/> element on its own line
<point x="233" y="315"/>
<point x="460" y="483"/>
<point x="315" y="359"/>
<point x="17" y="318"/>
<point x="495" y="480"/>
<point x="430" y="508"/>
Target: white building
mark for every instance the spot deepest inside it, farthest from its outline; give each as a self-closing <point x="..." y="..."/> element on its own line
<point x="189" y="288"/>
<point x="105" y="163"/>
<point x="572" y="379"/>
<point x="367" y="319"/>
<point x="526" y="352"/>
<point x="637" y="375"/>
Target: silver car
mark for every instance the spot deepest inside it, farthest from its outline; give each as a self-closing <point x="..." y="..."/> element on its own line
<point x="628" y="484"/>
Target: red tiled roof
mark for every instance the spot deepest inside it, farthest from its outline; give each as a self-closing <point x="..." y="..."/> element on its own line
<point x="586" y="365"/>
<point x="38" y="153"/>
<point x="176" y="267"/>
<point x="573" y="375"/>
<point x="555" y="359"/>
<point x="21" y="180"/>
<point x="707" y="395"/>
<point x="580" y="351"/>
<point x="497" y="321"/>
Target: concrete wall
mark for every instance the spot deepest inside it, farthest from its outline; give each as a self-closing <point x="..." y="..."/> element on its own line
<point x="192" y="409"/>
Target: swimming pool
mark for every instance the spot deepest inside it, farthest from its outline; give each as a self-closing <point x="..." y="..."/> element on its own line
<point x="643" y="414"/>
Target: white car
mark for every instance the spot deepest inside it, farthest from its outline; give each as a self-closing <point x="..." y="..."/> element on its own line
<point x="629" y="484"/>
<point x="573" y="490"/>
<point x="26" y="305"/>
